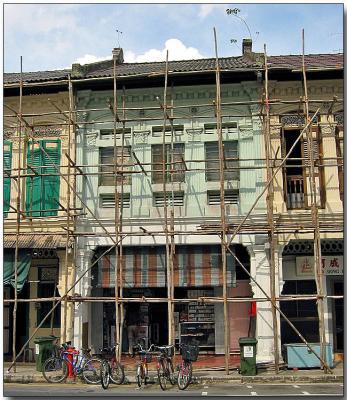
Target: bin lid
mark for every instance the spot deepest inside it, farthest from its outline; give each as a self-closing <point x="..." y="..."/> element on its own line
<point x="248" y="340"/>
<point x="42" y="339"/>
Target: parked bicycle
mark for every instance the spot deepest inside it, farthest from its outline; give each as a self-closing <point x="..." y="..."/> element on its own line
<point x="189" y="354"/>
<point x="55" y="369"/>
<point x="142" y="367"/>
<point x="116" y="369"/>
<point x="165" y="368"/>
<point x="105" y="374"/>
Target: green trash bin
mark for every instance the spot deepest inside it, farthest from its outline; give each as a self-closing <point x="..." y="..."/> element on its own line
<point x="248" y="351"/>
<point x="44" y="348"/>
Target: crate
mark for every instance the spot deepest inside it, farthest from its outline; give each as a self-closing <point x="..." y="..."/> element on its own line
<point x="298" y="355"/>
<point x="189" y="352"/>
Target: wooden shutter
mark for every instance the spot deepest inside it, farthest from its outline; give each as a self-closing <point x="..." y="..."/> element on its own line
<point x="50" y="186"/>
<point x="33" y="198"/>
<point x="7" y="181"/>
<point x="284" y="169"/>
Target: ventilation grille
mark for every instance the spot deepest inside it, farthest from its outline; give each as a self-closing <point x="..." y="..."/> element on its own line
<point x="106" y="134"/>
<point x="230" y="197"/>
<point x="227" y="127"/>
<point x="158" y="130"/>
<point x="158" y="199"/>
<point x="108" y="201"/>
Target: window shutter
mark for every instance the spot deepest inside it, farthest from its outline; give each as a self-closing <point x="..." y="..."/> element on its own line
<point x="7" y="181"/>
<point x="51" y="183"/>
<point x="34" y="184"/>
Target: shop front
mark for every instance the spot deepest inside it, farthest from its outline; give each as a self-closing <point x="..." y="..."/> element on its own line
<point x="197" y="274"/>
<point x="298" y="276"/>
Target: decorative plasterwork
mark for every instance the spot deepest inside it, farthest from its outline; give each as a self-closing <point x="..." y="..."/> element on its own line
<point x="246" y="131"/>
<point x="91" y="138"/>
<point x="339" y="118"/>
<point x="194" y="135"/>
<point x="141" y="137"/>
<point x="275" y="131"/>
<point x="82" y="116"/>
<point x="9" y="133"/>
<point x="327" y="129"/>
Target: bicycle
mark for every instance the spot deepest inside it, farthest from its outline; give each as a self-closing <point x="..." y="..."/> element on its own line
<point x="55" y="369"/>
<point x="165" y="368"/>
<point x="116" y="369"/>
<point x="105" y="374"/>
<point x="189" y="354"/>
<point x="142" y="367"/>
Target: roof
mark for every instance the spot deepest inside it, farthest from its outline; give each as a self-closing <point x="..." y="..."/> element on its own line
<point x="311" y="61"/>
<point x="105" y="68"/>
<point x="35" y="241"/>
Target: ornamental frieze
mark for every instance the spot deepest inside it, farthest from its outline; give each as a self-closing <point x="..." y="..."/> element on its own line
<point x="327" y="129"/>
<point x="194" y="135"/>
<point x="141" y="137"/>
<point x="246" y="131"/>
<point x="47" y="131"/>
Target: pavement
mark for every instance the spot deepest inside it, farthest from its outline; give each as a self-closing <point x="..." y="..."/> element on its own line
<point x="27" y="373"/>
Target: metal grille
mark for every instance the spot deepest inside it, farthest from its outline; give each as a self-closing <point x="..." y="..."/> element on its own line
<point x="177" y="200"/>
<point x="108" y="200"/>
<point x="230" y="197"/>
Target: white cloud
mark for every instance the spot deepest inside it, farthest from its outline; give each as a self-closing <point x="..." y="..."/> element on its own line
<point x="177" y="51"/>
<point x="89" y="58"/>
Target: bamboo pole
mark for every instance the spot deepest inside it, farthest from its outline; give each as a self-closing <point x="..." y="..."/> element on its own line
<point x="269" y="202"/>
<point x="315" y="221"/>
<point x="18" y="198"/>
<point x="222" y="207"/>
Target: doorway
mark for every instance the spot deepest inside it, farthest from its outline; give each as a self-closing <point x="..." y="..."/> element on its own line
<point x="338" y="318"/>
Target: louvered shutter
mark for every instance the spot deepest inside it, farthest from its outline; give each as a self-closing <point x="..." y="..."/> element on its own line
<point x="51" y="184"/>
<point x="34" y="184"/>
<point x="7" y="181"/>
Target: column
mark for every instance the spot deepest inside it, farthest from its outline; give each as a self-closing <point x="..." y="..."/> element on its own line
<point x="82" y="321"/>
<point x="331" y="176"/>
<point x="260" y="270"/>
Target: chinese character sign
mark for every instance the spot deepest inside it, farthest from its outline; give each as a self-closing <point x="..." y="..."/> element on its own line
<point x="331" y="265"/>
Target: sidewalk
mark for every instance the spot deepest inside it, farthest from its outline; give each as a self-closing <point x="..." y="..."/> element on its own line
<point x="26" y="373"/>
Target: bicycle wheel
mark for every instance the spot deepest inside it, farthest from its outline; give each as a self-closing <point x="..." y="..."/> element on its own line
<point x="105" y="375"/>
<point x="189" y="365"/>
<point x="140" y="375"/>
<point x="184" y="377"/>
<point x="171" y="372"/>
<point x="91" y="371"/>
<point x="162" y="374"/>
<point x="117" y="374"/>
<point x="55" y="370"/>
<point x="145" y="374"/>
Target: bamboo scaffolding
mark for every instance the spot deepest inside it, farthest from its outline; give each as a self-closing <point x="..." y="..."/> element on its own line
<point x="271" y="223"/>
<point x="315" y="221"/>
<point x="270" y="214"/>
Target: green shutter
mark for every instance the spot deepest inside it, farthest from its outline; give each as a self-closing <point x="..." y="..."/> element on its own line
<point x="7" y="181"/>
<point x="50" y="191"/>
<point x="34" y="184"/>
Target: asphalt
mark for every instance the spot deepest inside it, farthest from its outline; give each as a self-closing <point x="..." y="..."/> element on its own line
<point x="27" y="373"/>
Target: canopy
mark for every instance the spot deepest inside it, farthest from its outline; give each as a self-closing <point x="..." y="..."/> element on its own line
<point x="23" y="266"/>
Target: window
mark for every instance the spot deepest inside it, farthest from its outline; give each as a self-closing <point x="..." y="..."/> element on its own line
<point x="174" y="172"/>
<point x="108" y="200"/>
<point x="157" y="131"/>
<point x="107" y="165"/>
<point x="42" y="188"/>
<point x="7" y="180"/>
<point x="108" y="133"/>
<point x="47" y="287"/>
<point x="227" y="127"/>
<point x="303" y="314"/>
<point x="230" y="197"/>
<point x="231" y="160"/>
<point x="178" y="199"/>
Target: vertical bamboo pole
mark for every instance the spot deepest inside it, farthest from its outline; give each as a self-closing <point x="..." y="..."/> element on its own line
<point x="269" y="202"/>
<point x="222" y="206"/>
<point x="19" y="188"/>
<point x="116" y="197"/>
<point x="167" y="244"/>
<point x="68" y="196"/>
<point x="315" y="221"/>
<point x="121" y="243"/>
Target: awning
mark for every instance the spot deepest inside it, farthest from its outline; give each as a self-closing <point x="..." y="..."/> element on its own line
<point x="23" y="266"/>
<point x="35" y="241"/>
<point x="146" y="267"/>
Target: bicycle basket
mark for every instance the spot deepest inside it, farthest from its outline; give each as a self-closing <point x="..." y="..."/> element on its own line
<point x="146" y="356"/>
<point x="190" y="352"/>
<point x="169" y="351"/>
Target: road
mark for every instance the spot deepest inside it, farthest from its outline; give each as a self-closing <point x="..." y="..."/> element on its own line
<point x="215" y="389"/>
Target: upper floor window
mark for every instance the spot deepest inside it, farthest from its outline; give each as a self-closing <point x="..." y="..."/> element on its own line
<point x="173" y="160"/>
<point x="43" y="186"/>
<point x="339" y="150"/>
<point x="231" y="171"/>
<point x="7" y="173"/>
<point x="107" y="167"/>
<point x="176" y="130"/>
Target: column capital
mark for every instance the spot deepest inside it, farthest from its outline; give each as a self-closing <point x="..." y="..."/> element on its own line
<point x="327" y="129"/>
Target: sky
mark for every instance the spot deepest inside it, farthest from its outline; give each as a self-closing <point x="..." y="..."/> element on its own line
<point x="53" y="36"/>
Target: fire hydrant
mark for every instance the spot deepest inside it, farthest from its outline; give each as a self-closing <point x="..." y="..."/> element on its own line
<point x="70" y="352"/>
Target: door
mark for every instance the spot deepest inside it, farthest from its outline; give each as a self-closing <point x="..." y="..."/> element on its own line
<point x="338" y="318"/>
<point x="7" y="310"/>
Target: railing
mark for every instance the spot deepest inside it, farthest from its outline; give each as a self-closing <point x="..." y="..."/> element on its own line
<point x="295" y="192"/>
